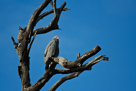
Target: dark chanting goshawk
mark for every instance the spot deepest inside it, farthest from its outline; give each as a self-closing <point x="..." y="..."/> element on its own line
<point x="52" y="50"/>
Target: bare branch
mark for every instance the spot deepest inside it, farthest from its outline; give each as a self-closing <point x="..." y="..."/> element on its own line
<point x="78" y="55"/>
<point x="95" y="60"/>
<point x="43" y="15"/>
<point x="88" y="54"/>
<point x="48" y="13"/>
<point x="15" y="44"/>
<point x="86" y="66"/>
<point x="68" y="77"/>
<point x="62" y="80"/>
<point x="51" y="3"/>
<point x="31" y="42"/>
<point x="35" y="15"/>
<point x="65" y="62"/>
<point x="41" y="82"/>
<point x="54" y="6"/>
<point x="69" y="64"/>
<point x="53" y="25"/>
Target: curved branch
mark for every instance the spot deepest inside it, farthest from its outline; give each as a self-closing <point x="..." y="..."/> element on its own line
<point x="48" y="13"/>
<point x="35" y="15"/>
<point x="53" y="25"/>
<point x="62" y="80"/>
<point x="41" y="82"/>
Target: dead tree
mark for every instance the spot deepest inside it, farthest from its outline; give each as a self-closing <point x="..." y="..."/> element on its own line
<point x="26" y="37"/>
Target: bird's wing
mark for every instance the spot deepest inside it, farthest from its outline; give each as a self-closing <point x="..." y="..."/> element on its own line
<point x="47" y="48"/>
<point x="46" y="54"/>
<point x="52" y="49"/>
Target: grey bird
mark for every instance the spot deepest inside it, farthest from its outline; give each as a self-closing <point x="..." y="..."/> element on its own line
<point x="52" y="50"/>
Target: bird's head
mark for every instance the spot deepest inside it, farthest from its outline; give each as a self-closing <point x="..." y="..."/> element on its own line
<point x="56" y="37"/>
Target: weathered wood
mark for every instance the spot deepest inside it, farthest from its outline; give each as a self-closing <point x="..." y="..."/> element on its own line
<point x="86" y="66"/>
<point x="25" y="41"/>
<point x="77" y="63"/>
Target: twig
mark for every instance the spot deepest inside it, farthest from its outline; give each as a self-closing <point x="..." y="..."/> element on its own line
<point x="15" y="44"/>
<point x="78" y="55"/>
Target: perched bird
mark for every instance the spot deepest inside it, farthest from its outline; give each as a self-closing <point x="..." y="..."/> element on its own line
<point x="52" y="50"/>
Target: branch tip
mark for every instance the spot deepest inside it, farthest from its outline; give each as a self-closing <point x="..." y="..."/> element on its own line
<point x="98" y="47"/>
<point x="106" y="58"/>
<point x="78" y="55"/>
<point x="13" y="41"/>
<point x="66" y="9"/>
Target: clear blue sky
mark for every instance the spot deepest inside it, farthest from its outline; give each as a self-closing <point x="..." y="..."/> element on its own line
<point x="111" y="24"/>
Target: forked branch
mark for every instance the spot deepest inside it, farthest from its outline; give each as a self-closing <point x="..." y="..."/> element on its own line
<point x="54" y="24"/>
<point x="86" y="66"/>
<point x="77" y="63"/>
<point x="77" y="71"/>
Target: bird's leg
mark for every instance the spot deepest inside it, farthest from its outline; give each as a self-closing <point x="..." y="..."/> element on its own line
<point x="52" y="66"/>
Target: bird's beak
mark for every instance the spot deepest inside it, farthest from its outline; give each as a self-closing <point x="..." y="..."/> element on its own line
<point x="57" y="37"/>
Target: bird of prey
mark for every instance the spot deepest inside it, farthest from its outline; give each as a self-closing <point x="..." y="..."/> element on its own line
<point x="52" y="50"/>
